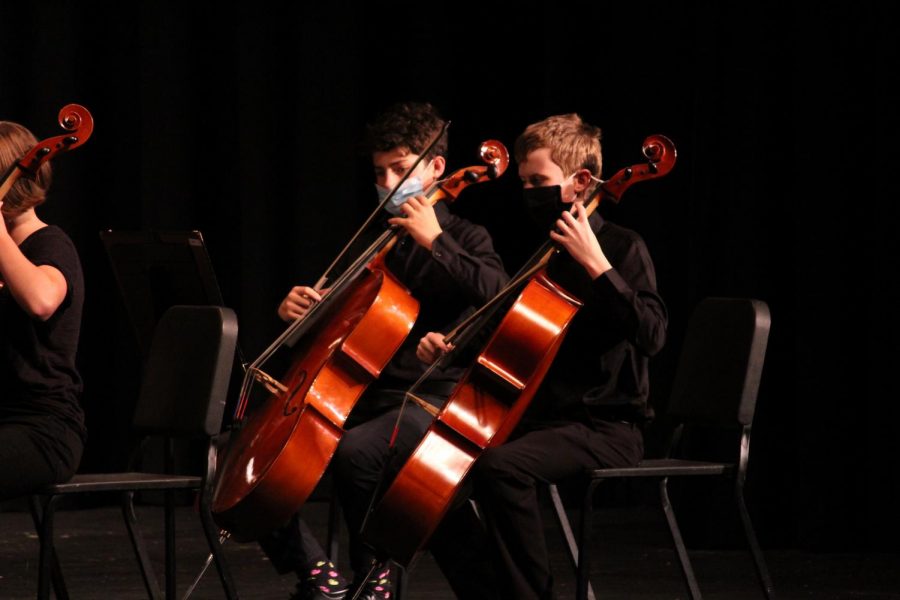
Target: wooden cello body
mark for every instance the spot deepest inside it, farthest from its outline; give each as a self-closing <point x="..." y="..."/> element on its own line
<point x="492" y="396"/>
<point x="277" y="457"/>
<point x="482" y="411"/>
<point x="283" y="450"/>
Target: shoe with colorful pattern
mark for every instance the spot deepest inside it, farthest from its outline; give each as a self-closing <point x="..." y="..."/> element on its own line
<point x="322" y="582"/>
<point x="379" y="587"/>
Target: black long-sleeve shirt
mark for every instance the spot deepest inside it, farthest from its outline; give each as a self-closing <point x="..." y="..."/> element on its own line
<point x="603" y="362"/>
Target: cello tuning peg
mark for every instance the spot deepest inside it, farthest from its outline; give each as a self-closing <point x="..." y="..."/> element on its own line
<point x="471" y="176"/>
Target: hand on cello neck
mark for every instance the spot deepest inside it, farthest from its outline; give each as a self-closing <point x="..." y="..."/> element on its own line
<point x="298" y="301"/>
<point x="419" y="220"/>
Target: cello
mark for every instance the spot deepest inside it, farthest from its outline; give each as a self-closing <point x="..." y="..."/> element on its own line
<point x="493" y="394"/>
<point x="281" y="450"/>
<point x="75" y="119"/>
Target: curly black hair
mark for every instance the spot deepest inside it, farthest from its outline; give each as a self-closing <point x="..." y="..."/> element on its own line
<point x="410" y="125"/>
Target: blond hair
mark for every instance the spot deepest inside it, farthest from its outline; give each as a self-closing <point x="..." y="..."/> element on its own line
<point x="573" y="143"/>
<point x="26" y="193"/>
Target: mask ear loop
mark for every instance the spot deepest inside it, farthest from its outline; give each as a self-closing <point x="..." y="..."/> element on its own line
<point x="595" y="179"/>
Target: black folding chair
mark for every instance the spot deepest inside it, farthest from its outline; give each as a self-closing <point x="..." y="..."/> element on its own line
<point x="182" y="396"/>
<point x="715" y="386"/>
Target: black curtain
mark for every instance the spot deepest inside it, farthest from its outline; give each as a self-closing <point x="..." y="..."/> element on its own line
<point x="244" y="123"/>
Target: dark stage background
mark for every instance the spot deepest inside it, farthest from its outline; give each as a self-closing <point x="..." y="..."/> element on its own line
<point x="243" y="123"/>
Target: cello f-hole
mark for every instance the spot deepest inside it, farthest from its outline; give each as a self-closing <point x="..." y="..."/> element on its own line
<point x="288" y="410"/>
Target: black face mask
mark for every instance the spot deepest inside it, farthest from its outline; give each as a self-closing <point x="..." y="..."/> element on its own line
<point x="544" y="205"/>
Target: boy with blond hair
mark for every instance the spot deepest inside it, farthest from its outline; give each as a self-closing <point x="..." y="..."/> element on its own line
<point x="590" y="407"/>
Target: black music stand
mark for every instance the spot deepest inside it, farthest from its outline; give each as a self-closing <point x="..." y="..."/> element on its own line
<point x="159" y="269"/>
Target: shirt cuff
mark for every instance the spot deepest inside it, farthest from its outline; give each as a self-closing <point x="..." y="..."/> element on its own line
<point x="444" y="248"/>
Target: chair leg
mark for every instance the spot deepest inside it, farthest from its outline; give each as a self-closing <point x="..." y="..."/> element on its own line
<point x="583" y="590"/>
<point x="689" y="579"/>
<point x="211" y="531"/>
<point x="59" y="582"/>
<point x="758" y="559"/>
<point x="169" y="500"/>
<point x="48" y="552"/>
<point x="400" y="580"/>
<point x="139" y="547"/>
<point x="562" y="519"/>
<point x="565" y="527"/>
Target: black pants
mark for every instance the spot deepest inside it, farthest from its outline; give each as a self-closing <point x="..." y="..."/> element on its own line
<point x="30" y="457"/>
<point x="292" y="547"/>
<point x="506" y="480"/>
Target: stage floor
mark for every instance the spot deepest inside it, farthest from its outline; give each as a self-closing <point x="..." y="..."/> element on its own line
<point x="633" y="560"/>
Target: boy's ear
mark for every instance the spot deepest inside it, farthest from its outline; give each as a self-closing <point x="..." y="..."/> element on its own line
<point x="581" y="179"/>
<point x="440" y="163"/>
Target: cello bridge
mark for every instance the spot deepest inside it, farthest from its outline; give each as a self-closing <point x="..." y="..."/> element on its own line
<point x="270" y="383"/>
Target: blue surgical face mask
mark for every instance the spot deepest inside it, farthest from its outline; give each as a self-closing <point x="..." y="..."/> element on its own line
<point x="411" y="187"/>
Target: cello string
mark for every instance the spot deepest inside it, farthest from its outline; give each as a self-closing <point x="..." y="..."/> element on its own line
<point x="546" y="251"/>
<point x="538" y="260"/>
<point x="480" y="318"/>
<point x="302" y="324"/>
<point x="361" y="260"/>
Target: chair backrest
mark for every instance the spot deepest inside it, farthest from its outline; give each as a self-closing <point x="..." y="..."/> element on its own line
<point x="185" y="380"/>
<point x="718" y="373"/>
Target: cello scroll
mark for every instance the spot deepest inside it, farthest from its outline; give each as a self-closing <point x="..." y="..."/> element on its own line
<point x="75" y="119"/>
<point x="661" y="155"/>
<point x="496" y="157"/>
